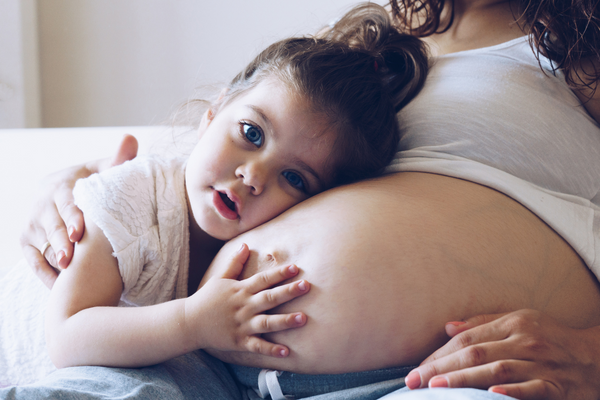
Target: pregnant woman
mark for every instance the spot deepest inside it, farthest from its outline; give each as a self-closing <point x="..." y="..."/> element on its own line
<point x="492" y="205"/>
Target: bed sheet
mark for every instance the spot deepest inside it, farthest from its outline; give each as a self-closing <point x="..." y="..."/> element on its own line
<point x="23" y="299"/>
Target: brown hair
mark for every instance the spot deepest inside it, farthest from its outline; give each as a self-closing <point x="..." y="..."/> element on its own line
<point x="357" y="73"/>
<point x="566" y="31"/>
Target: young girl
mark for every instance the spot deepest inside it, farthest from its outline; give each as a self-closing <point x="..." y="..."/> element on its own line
<point x="305" y="115"/>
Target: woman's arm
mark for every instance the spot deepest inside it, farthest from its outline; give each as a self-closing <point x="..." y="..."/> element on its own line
<point x="57" y="220"/>
<point x="84" y="326"/>
<point x="523" y="354"/>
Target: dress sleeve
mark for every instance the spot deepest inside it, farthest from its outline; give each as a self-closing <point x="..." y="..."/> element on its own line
<point x="122" y="202"/>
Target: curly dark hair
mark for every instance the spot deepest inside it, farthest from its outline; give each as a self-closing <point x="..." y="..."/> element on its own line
<point x="565" y="31"/>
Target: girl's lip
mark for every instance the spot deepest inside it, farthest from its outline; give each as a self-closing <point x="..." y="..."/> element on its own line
<point x="222" y="208"/>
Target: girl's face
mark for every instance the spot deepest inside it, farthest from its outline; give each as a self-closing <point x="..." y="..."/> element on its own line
<point x="262" y="153"/>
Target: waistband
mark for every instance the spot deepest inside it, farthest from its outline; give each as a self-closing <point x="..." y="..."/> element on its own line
<point x="288" y="385"/>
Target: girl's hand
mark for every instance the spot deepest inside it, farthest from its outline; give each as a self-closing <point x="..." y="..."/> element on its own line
<point x="227" y="314"/>
<point x="523" y="354"/>
<point x="57" y="220"/>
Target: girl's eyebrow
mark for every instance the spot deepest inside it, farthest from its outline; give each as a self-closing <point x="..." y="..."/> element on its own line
<point x="261" y="114"/>
<point x="308" y="168"/>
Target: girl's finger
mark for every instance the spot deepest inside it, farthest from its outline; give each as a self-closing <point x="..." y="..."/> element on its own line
<point x="270" y="277"/>
<point x="255" y="344"/>
<point x="271" y="298"/>
<point x="265" y="323"/>
<point x="236" y="263"/>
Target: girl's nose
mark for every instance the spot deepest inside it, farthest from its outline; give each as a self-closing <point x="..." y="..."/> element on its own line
<point x="253" y="174"/>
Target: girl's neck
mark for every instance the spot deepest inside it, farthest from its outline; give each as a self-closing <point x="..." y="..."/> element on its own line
<point x="477" y="24"/>
<point x="203" y="248"/>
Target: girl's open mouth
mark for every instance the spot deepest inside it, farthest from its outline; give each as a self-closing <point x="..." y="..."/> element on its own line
<point x="224" y="205"/>
<point x="227" y="201"/>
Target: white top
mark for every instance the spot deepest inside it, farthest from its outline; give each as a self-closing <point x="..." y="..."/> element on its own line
<point x="142" y="209"/>
<point x="493" y="117"/>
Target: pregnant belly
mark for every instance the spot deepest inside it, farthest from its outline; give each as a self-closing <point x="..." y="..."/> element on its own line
<point x="392" y="260"/>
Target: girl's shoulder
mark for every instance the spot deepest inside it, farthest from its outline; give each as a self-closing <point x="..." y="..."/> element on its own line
<point x="141" y="208"/>
<point x="131" y="194"/>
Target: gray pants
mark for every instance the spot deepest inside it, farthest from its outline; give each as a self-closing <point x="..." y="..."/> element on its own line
<point x="199" y="376"/>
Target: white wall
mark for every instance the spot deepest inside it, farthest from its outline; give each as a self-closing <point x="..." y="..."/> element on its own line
<point x="19" y="73"/>
<point x="130" y="62"/>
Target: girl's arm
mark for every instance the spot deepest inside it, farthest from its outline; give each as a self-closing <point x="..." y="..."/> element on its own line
<point x="84" y="326"/>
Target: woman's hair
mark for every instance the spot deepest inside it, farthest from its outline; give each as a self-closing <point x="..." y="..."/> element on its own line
<point x="357" y="74"/>
<point x="565" y="31"/>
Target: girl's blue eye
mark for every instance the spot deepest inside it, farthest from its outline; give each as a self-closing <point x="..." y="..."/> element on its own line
<point x="295" y="180"/>
<point x="253" y="134"/>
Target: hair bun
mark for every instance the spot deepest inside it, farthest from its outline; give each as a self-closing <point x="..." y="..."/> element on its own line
<point x="401" y="59"/>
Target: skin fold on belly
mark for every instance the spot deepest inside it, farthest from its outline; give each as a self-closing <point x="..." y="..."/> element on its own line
<point x="392" y="260"/>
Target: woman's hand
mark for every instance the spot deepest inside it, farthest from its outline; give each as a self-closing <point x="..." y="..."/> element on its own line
<point x="523" y="354"/>
<point x="57" y="220"/>
<point x="227" y="314"/>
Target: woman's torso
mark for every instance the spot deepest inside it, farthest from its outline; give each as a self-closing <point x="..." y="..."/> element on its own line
<point x="492" y="116"/>
<point x="392" y="260"/>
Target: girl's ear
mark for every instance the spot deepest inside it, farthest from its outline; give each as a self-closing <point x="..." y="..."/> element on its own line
<point x="207" y="118"/>
<point x="222" y="94"/>
<point x="209" y="115"/>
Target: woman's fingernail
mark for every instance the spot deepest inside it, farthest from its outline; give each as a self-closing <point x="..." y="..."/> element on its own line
<point x="413" y="380"/>
<point x="302" y="286"/>
<point x="71" y="232"/>
<point x="299" y="319"/>
<point x="439" y="382"/>
<point x="498" y="390"/>
<point x="454" y="328"/>
<point x="241" y="248"/>
<point x="60" y="256"/>
<point x="293" y="269"/>
<point x="283" y="353"/>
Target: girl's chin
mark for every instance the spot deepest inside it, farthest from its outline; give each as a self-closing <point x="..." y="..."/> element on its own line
<point x="220" y="231"/>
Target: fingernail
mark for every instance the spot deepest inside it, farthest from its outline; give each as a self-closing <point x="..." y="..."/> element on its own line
<point x="71" y="232"/>
<point x="60" y="257"/>
<point x="498" y="390"/>
<point x="413" y="380"/>
<point x="283" y="353"/>
<point x="454" y="328"/>
<point x="241" y="248"/>
<point x="293" y="269"/>
<point x="298" y="318"/>
<point x="439" y="382"/>
<point x="302" y="286"/>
